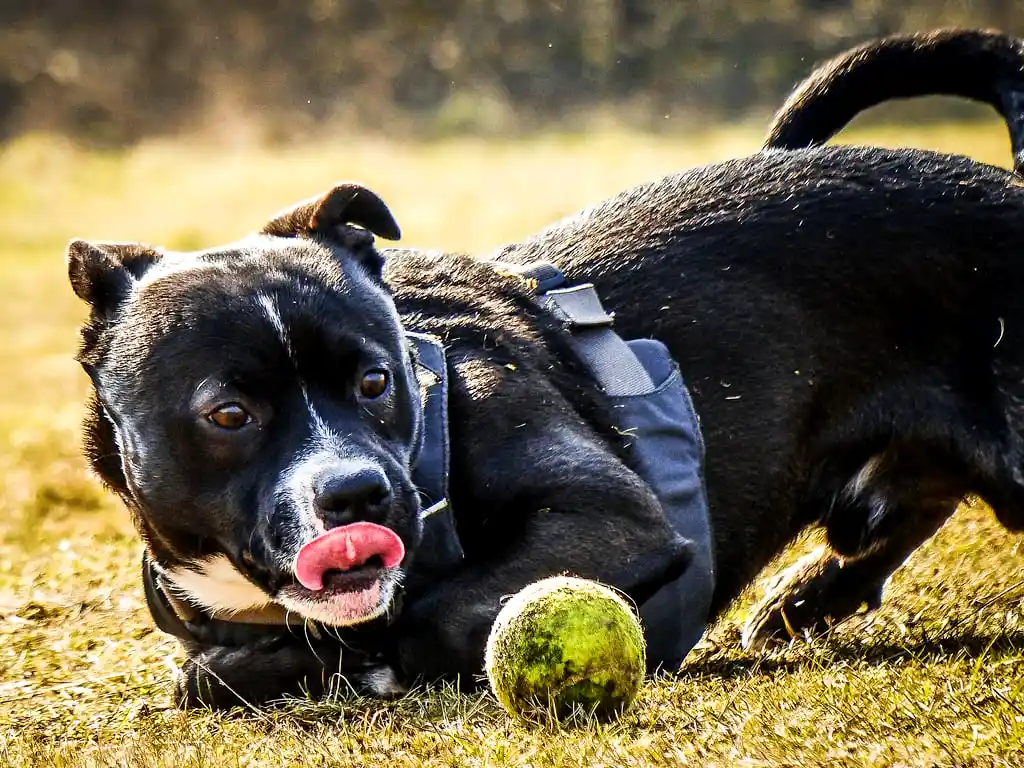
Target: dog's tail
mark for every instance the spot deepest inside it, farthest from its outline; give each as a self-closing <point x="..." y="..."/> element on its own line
<point x="979" y="65"/>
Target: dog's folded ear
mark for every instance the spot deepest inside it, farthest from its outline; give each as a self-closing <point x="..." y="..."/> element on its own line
<point x="102" y="274"/>
<point x="329" y="215"/>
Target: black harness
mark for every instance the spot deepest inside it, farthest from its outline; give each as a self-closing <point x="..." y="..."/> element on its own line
<point x="653" y="407"/>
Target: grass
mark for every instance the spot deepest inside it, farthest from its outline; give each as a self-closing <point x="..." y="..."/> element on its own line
<point x="933" y="678"/>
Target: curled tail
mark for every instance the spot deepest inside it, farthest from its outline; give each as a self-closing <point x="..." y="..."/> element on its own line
<point x="978" y="65"/>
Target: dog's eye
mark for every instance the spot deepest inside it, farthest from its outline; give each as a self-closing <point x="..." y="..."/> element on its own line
<point x="230" y="416"/>
<point x="373" y="384"/>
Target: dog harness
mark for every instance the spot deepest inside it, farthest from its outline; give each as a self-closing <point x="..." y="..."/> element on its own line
<point x="652" y="407"/>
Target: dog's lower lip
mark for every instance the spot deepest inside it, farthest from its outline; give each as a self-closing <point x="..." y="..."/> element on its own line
<point x="353" y="580"/>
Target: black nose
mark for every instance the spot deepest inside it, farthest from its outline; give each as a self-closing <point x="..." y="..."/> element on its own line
<point x="351" y="491"/>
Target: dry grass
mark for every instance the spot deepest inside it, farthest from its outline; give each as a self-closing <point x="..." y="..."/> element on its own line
<point x="931" y="679"/>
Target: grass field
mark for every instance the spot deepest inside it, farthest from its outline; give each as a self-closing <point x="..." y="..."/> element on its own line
<point x="934" y="678"/>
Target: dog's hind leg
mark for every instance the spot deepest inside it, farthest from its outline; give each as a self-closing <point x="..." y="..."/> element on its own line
<point x="877" y="511"/>
<point x="882" y="481"/>
<point x="824" y="587"/>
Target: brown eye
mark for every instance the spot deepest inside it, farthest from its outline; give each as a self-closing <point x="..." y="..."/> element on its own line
<point x="373" y="384"/>
<point x="230" y="416"/>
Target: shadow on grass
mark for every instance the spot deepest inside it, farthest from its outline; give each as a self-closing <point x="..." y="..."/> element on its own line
<point x="426" y="707"/>
<point x="822" y="653"/>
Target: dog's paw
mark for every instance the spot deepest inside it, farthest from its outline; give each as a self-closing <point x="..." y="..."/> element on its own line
<point x="199" y="685"/>
<point x="809" y="597"/>
<point x="381" y="683"/>
<point x="225" y="678"/>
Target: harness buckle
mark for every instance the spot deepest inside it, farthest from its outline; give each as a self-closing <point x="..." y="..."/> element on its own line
<point x="578" y="306"/>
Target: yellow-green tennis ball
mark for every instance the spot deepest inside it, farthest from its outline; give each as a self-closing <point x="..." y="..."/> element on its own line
<point x="565" y="644"/>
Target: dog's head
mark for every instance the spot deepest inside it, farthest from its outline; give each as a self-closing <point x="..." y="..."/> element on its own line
<point x="257" y="408"/>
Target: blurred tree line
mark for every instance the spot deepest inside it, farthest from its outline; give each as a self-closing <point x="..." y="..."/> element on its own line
<point x="115" y="71"/>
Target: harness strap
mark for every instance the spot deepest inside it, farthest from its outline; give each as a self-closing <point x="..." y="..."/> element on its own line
<point x="653" y="406"/>
<point x="541" y="275"/>
<point x="440" y="547"/>
<point x="609" y="358"/>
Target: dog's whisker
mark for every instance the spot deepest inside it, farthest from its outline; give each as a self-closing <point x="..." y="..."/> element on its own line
<point x="309" y="642"/>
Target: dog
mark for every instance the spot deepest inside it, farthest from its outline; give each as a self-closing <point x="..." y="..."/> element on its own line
<point x="845" y="319"/>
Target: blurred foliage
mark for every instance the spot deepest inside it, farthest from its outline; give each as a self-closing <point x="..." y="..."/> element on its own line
<point x="114" y="71"/>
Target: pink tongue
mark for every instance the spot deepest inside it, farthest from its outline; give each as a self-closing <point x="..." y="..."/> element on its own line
<point x="346" y="547"/>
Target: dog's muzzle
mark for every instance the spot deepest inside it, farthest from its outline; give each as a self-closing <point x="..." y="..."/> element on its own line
<point x="439" y="550"/>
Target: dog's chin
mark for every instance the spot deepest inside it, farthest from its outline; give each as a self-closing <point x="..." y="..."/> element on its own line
<point x="348" y="598"/>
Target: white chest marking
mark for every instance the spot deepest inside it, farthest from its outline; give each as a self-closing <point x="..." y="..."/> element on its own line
<point x="216" y="585"/>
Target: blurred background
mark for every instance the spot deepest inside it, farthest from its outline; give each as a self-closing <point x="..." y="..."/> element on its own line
<point x="113" y="72"/>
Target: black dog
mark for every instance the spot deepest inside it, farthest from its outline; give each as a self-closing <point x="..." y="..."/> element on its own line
<point x="845" y="319"/>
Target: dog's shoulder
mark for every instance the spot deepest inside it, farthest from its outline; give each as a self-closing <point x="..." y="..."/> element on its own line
<point x="408" y="269"/>
<point x="456" y="293"/>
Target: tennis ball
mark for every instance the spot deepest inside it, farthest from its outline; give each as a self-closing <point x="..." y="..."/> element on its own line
<point x="565" y="644"/>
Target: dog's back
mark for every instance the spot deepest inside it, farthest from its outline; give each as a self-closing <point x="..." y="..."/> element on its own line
<point x="819" y="302"/>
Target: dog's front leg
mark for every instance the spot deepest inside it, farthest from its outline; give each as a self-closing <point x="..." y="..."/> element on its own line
<point x="579" y="510"/>
<point x="222" y="677"/>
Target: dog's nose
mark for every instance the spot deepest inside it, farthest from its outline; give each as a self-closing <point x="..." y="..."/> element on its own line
<point x="351" y="492"/>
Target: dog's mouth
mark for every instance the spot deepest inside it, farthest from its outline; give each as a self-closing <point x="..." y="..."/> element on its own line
<point x="344" y="552"/>
<point x="360" y="577"/>
<point x="346" y="575"/>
